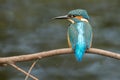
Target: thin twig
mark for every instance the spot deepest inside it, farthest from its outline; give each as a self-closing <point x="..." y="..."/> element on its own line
<point x="21" y="70"/>
<point x="20" y="58"/>
<point x="33" y="64"/>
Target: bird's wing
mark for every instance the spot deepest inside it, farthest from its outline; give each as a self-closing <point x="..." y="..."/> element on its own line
<point x="88" y="34"/>
<point x="72" y="36"/>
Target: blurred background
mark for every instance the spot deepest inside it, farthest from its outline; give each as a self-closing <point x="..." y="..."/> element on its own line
<point x="26" y="27"/>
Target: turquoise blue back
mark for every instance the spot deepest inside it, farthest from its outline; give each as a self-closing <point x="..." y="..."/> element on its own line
<point x="80" y="35"/>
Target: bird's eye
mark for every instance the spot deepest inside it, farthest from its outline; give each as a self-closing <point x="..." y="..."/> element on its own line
<point x="71" y="16"/>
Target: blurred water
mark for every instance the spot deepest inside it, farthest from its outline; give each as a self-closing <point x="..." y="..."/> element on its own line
<point x="26" y="26"/>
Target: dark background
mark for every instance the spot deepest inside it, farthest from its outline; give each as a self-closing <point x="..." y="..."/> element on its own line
<point x="26" y="26"/>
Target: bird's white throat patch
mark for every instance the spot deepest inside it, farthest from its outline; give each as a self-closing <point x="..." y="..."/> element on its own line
<point x="82" y="19"/>
<point x="71" y="21"/>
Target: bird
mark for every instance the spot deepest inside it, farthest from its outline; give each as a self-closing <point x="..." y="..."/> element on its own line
<point x="79" y="34"/>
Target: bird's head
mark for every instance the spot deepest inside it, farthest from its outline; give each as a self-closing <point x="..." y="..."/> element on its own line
<point x="76" y="15"/>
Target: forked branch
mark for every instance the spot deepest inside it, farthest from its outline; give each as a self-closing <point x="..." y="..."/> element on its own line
<point x="40" y="55"/>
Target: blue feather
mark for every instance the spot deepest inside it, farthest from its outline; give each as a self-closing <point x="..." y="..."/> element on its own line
<point x="79" y="51"/>
<point x="79" y="39"/>
<point x="80" y="46"/>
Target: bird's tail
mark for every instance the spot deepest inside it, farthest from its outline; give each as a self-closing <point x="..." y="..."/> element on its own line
<point x="79" y="52"/>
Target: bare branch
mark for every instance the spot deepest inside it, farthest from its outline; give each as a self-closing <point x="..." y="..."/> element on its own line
<point x="104" y="53"/>
<point x="21" y="70"/>
<point x="33" y="64"/>
<point x="20" y="58"/>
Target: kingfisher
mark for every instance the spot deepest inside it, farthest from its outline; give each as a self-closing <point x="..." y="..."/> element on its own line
<point x="79" y="33"/>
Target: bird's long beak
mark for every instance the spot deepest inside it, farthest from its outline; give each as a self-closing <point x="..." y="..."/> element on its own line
<point x="62" y="17"/>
